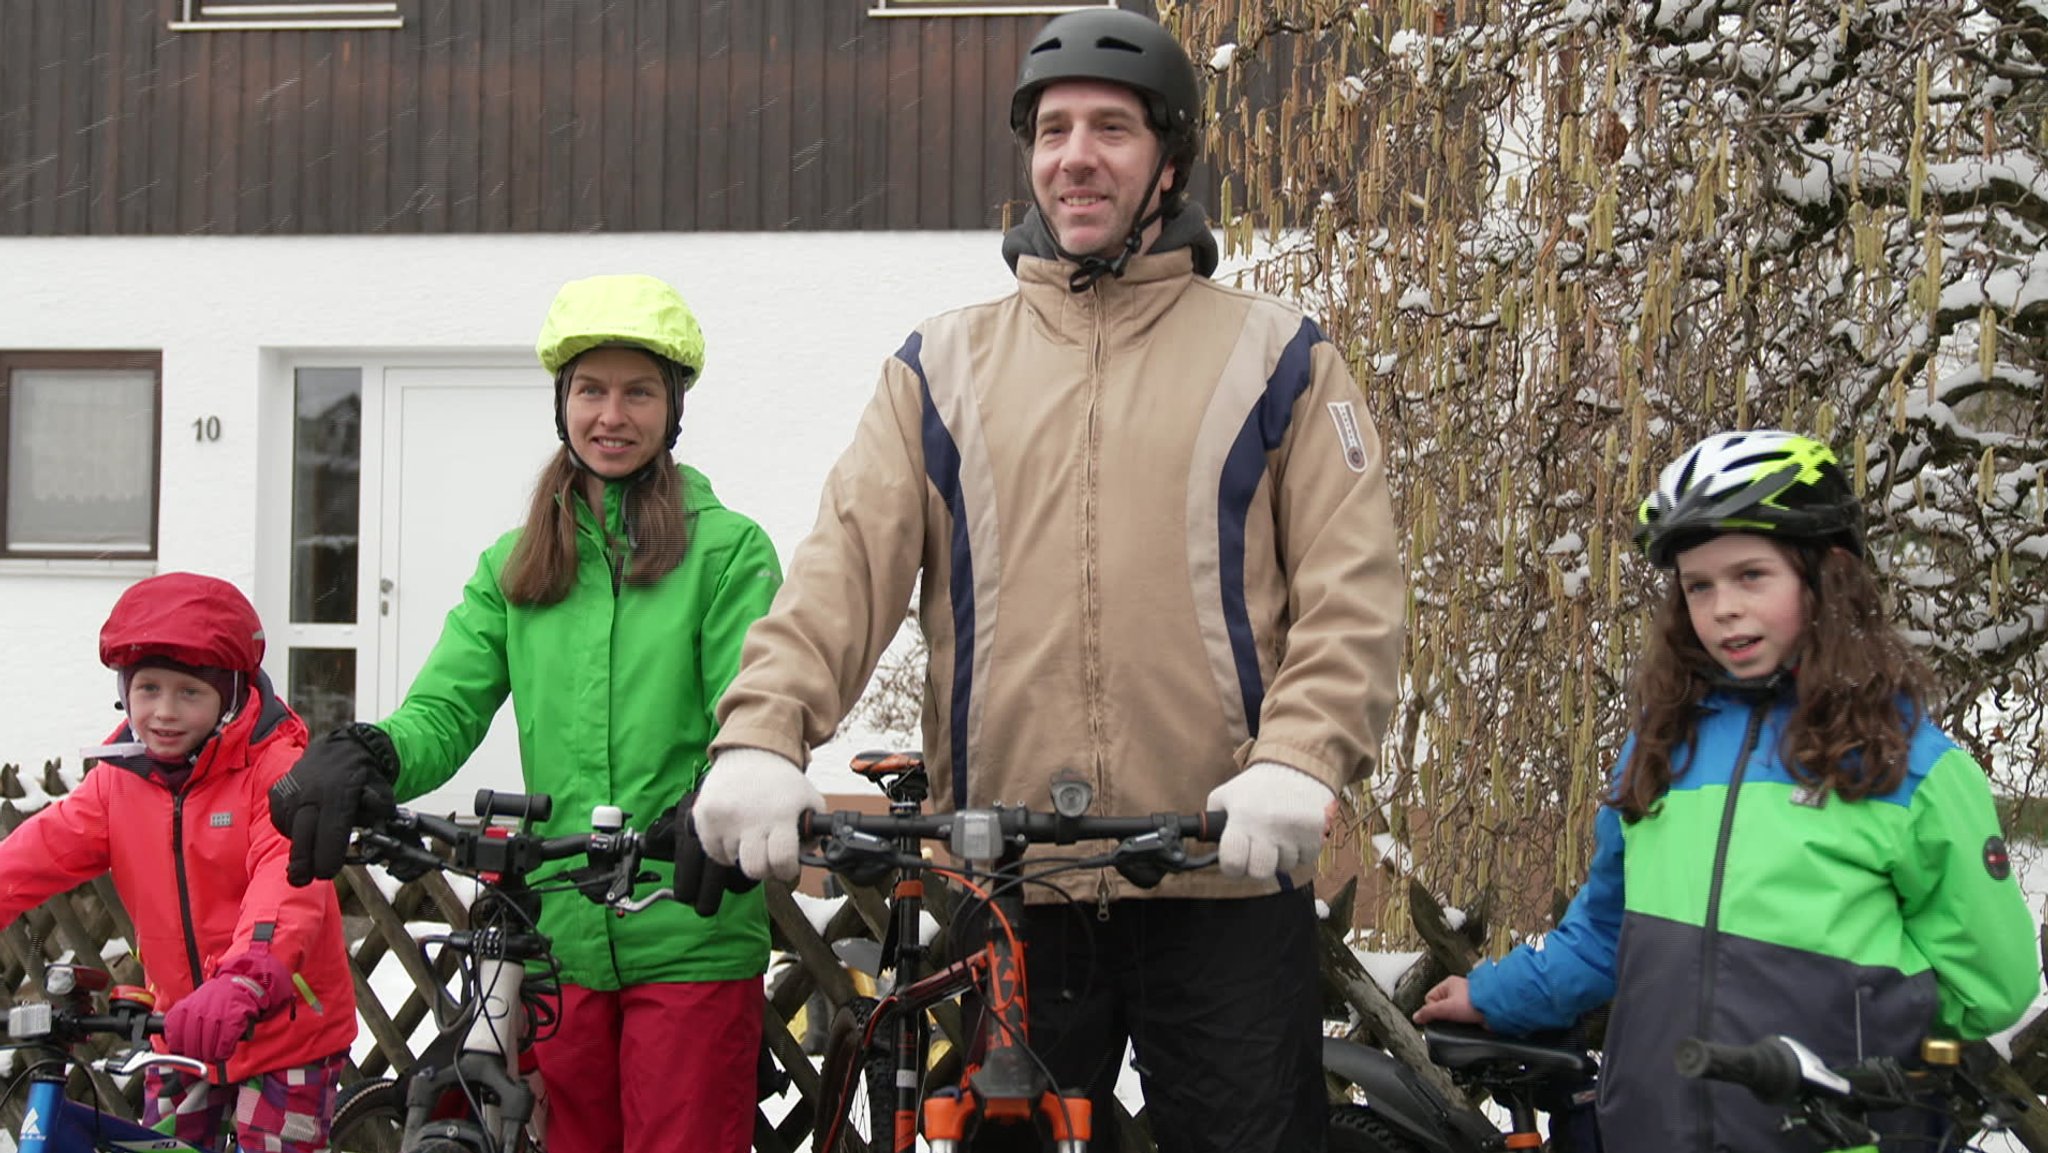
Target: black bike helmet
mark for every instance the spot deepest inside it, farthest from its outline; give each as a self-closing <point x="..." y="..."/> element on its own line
<point x="1121" y="48"/>
<point x="1771" y="483"/>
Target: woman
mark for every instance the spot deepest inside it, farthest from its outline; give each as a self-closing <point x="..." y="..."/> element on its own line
<point x="613" y="618"/>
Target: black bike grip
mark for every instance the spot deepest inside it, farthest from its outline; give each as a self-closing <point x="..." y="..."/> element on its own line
<point x="1766" y="1068"/>
<point x="523" y="806"/>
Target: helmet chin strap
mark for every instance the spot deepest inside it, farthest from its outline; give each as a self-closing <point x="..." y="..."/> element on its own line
<point x="630" y="479"/>
<point x="1093" y="267"/>
<point x="1766" y="685"/>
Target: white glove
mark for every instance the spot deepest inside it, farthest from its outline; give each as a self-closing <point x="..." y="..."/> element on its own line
<point x="747" y="811"/>
<point x="1277" y="815"/>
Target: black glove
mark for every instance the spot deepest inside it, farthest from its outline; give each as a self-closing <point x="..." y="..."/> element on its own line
<point x="701" y="882"/>
<point x="343" y="779"/>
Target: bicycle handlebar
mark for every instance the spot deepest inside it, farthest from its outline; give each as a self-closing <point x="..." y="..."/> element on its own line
<point x="1027" y="825"/>
<point x="510" y="856"/>
<point x="1147" y="847"/>
<point x="60" y="1024"/>
<point x="1781" y="1071"/>
<point x="1769" y="1068"/>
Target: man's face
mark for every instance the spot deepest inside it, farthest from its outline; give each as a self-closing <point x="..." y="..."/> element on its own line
<point x="1092" y="154"/>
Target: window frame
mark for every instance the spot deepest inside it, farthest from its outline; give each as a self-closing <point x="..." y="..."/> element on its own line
<point x="112" y="360"/>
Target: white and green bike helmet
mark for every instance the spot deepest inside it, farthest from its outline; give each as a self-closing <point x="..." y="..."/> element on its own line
<point x="1768" y="482"/>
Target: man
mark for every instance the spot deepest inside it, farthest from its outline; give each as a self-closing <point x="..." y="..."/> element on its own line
<point x="1156" y="548"/>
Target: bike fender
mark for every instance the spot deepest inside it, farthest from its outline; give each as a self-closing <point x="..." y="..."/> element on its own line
<point x="1395" y="1095"/>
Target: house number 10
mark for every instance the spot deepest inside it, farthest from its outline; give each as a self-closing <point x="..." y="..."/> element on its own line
<point x="206" y="428"/>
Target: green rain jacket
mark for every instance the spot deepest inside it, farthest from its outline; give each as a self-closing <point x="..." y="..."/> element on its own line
<point x="1750" y="905"/>
<point x="613" y="693"/>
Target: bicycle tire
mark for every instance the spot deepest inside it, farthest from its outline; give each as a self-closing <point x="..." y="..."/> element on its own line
<point x="1354" y="1129"/>
<point x="858" y="1086"/>
<point x="369" y="1117"/>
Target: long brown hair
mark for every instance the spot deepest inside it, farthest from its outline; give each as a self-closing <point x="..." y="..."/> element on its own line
<point x="542" y="567"/>
<point x="1858" y="687"/>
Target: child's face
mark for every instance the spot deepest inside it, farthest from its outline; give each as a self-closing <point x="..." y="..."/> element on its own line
<point x="171" y="712"/>
<point x="1747" y="601"/>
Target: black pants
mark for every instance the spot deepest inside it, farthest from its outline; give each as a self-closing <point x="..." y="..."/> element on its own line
<point x="1219" y="1000"/>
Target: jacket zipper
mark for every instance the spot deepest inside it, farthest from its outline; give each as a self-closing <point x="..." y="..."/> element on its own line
<point x="1712" y="927"/>
<point x="1091" y="638"/>
<point x="184" y="886"/>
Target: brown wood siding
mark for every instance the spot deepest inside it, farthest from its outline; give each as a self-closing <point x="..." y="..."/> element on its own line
<point x="487" y="116"/>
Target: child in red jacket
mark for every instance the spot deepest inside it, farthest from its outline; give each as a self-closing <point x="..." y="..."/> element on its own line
<point x="176" y="812"/>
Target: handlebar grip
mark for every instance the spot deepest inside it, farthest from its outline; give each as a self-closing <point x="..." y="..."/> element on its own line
<point x="1766" y="1068"/>
<point x="524" y="806"/>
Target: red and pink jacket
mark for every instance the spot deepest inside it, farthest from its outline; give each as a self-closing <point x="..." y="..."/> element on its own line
<point x="202" y="873"/>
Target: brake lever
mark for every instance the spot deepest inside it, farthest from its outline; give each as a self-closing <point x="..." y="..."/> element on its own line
<point x="629" y="904"/>
<point x="139" y="1059"/>
<point x="405" y="860"/>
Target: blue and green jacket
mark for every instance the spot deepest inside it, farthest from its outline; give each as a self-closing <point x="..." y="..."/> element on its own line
<point x="1747" y="906"/>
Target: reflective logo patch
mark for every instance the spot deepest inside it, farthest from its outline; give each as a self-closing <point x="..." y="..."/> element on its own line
<point x="221" y="820"/>
<point x="1996" y="861"/>
<point x="1348" y="436"/>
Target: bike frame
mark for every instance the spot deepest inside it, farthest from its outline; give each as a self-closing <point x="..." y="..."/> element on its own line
<point x="487" y="1055"/>
<point x="54" y="1123"/>
<point x="502" y="937"/>
<point x="1005" y="1084"/>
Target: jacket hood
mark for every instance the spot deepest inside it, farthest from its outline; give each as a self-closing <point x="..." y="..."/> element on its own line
<point x="1188" y="228"/>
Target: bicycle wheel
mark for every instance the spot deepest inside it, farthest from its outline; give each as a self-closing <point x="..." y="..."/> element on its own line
<point x="1354" y="1129"/>
<point x="858" y="1085"/>
<point x="369" y="1117"/>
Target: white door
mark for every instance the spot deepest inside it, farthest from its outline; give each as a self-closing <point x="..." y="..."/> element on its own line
<point x="461" y="450"/>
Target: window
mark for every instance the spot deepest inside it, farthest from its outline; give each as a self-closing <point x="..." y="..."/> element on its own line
<point x="79" y="446"/>
<point x="983" y="7"/>
<point x="286" y="15"/>
<point x="327" y="451"/>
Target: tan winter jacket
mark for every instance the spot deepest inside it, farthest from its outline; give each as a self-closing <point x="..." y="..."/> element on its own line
<point x="1156" y="545"/>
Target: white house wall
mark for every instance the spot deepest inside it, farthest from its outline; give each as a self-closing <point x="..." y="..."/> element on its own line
<point x="797" y="325"/>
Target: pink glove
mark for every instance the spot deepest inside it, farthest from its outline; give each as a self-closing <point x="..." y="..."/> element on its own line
<point x="209" y="1022"/>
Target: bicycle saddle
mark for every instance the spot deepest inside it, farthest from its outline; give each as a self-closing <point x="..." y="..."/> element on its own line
<point x="1465" y="1047"/>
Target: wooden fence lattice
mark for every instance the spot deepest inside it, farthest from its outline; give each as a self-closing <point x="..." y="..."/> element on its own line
<point x="86" y="921"/>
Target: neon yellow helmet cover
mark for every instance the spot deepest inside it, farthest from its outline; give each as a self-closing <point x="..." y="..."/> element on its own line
<point x="629" y="309"/>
